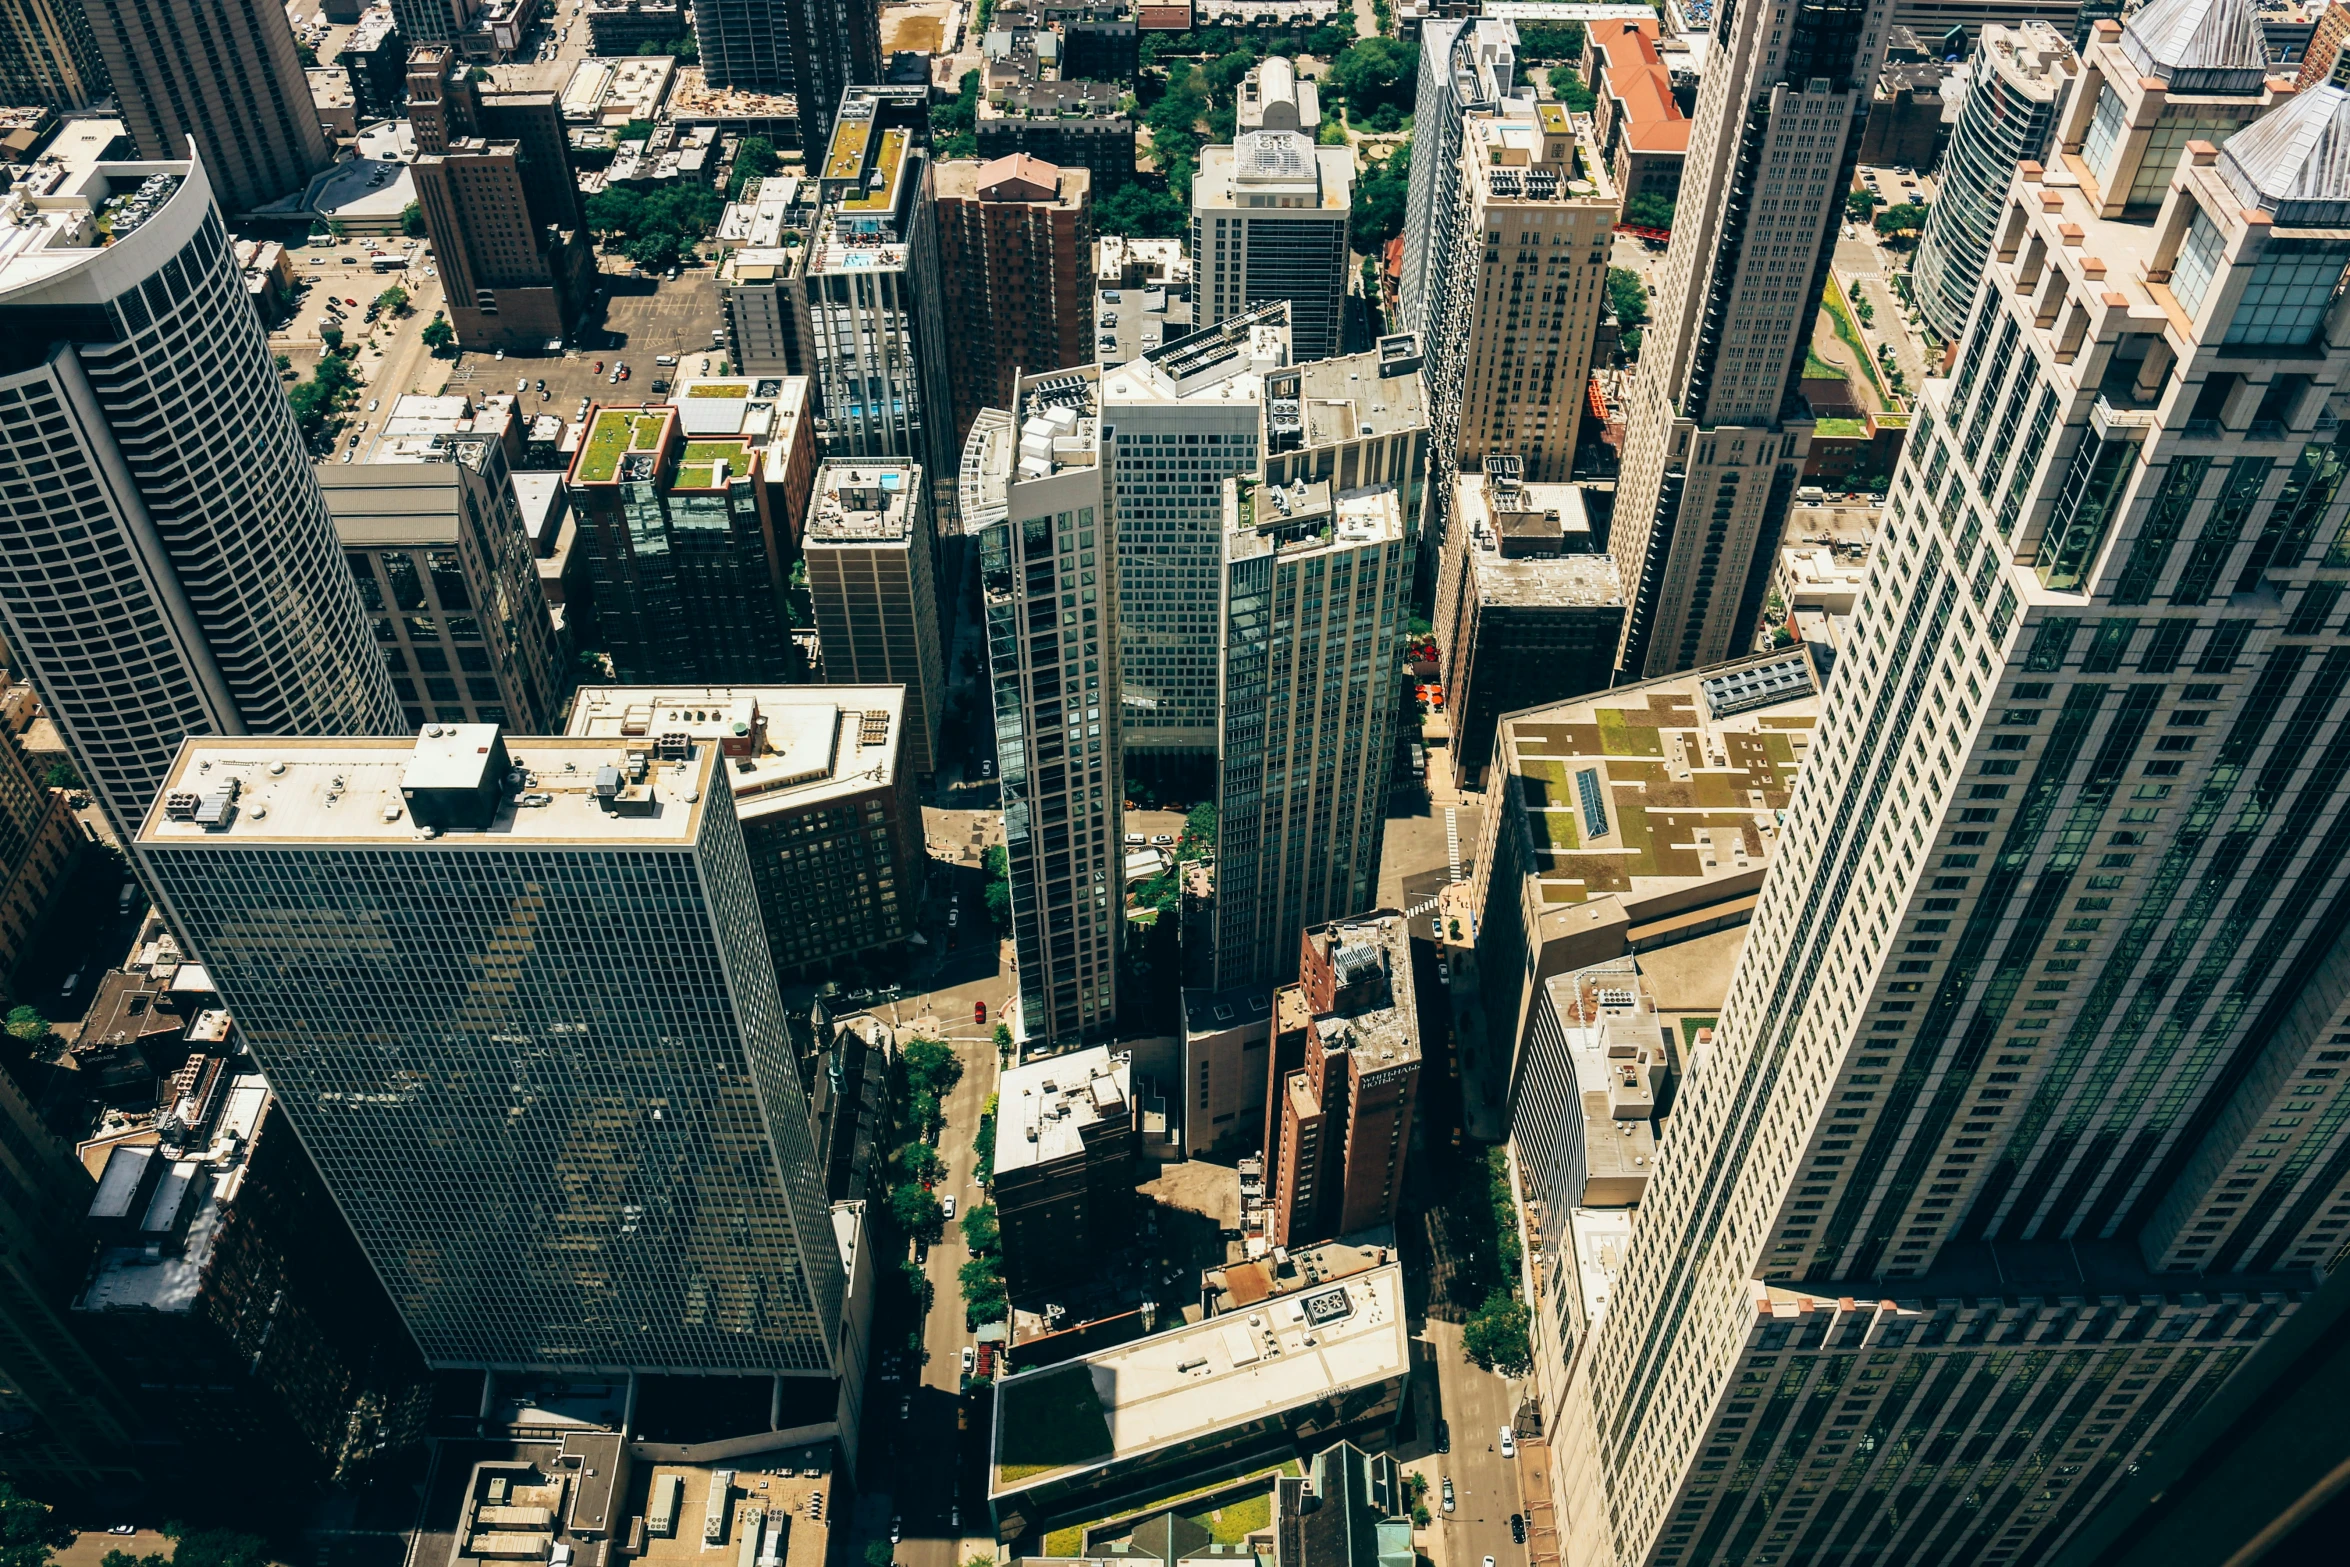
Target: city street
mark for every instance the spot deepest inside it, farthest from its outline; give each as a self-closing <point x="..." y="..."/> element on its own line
<point x="1475" y="1405"/>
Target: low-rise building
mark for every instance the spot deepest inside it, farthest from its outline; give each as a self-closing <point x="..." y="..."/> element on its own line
<point x="1529" y="606"/>
<point x="1643" y="135"/>
<point x="1345" y="1069"/>
<point x="336" y="101"/>
<point x="1225" y="1036"/>
<point x="1817" y="580"/>
<point x="1068" y="1138"/>
<point x="1196" y="1401"/>
<point x="1142" y="297"/>
<point x="830" y="817"/>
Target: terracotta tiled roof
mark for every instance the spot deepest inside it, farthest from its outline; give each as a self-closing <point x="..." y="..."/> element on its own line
<point x="1653" y="122"/>
<point x="1039" y="178"/>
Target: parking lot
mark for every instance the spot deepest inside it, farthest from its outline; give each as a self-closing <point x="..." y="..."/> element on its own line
<point x="643" y="319"/>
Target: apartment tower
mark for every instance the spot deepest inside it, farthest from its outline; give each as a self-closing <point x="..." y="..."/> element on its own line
<point x="48" y="56"/>
<point x="178" y="573"/>
<point x="1015" y="250"/>
<point x="418" y="939"/>
<point x="868" y="549"/>
<point x="815" y="50"/>
<point x="1048" y="570"/>
<point x="222" y="74"/>
<point x="512" y="280"/>
<point x="1718" y="433"/>
<point x="1268" y="222"/>
<point x="2023" y="1123"/>
<point x="2015" y="93"/>
<point x="1530" y="277"/>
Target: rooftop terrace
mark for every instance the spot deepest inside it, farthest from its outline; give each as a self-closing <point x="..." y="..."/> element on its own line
<point x="1677" y="780"/>
<point x="786" y="747"/>
<point x="617" y="435"/>
<point x="864" y="503"/>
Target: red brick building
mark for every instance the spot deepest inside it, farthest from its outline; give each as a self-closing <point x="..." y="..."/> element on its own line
<point x="1015" y="242"/>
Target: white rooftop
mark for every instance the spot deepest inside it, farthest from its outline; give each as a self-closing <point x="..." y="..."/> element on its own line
<point x="1043" y="1108"/>
<point x="1602" y="1236"/>
<point x="338" y="791"/>
<point x="804" y="744"/>
<point x="1193" y="1380"/>
<point x="156" y="1273"/>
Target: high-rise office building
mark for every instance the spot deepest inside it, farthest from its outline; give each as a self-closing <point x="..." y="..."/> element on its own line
<point x="176" y="573"/>
<point x="871" y="281"/>
<point x="1530" y="277"/>
<point x="832" y="821"/>
<point x="2188" y="70"/>
<point x="678" y="534"/>
<point x="71" y="1427"/>
<point x="2016" y="92"/>
<point x="1015" y="250"/>
<point x="1346" y="1076"/>
<point x="1466" y="66"/>
<point x="1269" y="221"/>
<point x="1718" y="433"/>
<point x="39" y="840"/>
<point x="512" y="281"/>
<point x="1187" y="416"/>
<point x="444" y="569"/>
<point x="1048" y="570"/>
<point x="869" y="546"/>
<point x="815" y="50"/>
<point x="418" y="941"/>
<point x="2022" y="1085"/>
<point x="1317" y="586"/>
<point x="1529" y="608"/>
<point x="220" y="73"/>
<point x="48" y="56"/>
<point x="434" y="21"/>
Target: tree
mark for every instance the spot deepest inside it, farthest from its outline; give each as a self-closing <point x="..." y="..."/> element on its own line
<point x="1909" y="215"/>
<point x="615" y="209"/>
<point x="1494" y="1337"/>
<point x="219" y="1548"/>
<point x="930" y="1066"/>
<point x="954" y="124"/>
<point x="336" y="228"/>
<point x="878" y="1553"/>
<point x="393" y="300"/>
<point x="1568" y="88"/>
<point x="412" y="220"/>
<point x="1003" y="1039"/>
<point x="655" y="250"/>
<point x="1382" y="194"/>
<point x="1860" y="203"/>
<point x="1173" y="122"/>
<point x="61" y="775"/>
<point x="920" y="1163"/>
<point x="284" y="362"/>
<point x="1199" y="832"/>
<point x="1627" y="295"/>
<point x="1376" y="72"/>
<point x="27" y="1024"/>
<point x="999" y="886"/>
<point x="1138" y="211"/>
<point x="1540" y="42"/>
<point x="981" y="1232"/>
<point x="1649" y="211"/>
<point x="984" y="1297"/>
<point x="916" y="1212"/>
<point x="438" y="335"/>
<point x="332" y="337"/>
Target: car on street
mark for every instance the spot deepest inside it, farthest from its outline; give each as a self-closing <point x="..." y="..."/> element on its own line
<point x="1135" y="840"/>
<point x="1518" y="1527"/>
<point x="896" y="1529"/>
<point x="1448" y="1497"/>
<point x="946" y="1205"/>
<point x="1509" y="1443"/>
<point x="979" y="1012"/>
<point x="1443" y="1437"/>
<point x="1162" y="839"/>
<point x="987" y="767"/>
<point x="970" y="1359"/>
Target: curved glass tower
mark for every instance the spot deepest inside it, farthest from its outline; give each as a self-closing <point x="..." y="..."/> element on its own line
<point x="167" y="564"/>
<point x="2017" y="87"/>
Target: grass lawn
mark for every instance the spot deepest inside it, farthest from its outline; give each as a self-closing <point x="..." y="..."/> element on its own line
<point x="1236" y="1521"/>
<point x="1840" y="316"/>
<point x="1050" y="1422"/>
<point x="1689" y="1028"/>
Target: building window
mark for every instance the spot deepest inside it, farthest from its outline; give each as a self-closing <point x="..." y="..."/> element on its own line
<point x="2198" y="260"/>
<point x="2292" y="283"/>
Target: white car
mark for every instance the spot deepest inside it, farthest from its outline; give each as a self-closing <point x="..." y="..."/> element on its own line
<point x="970" y="1359"/>
<point x="946" y="1205"/>
<point x="1509" y="1443"/>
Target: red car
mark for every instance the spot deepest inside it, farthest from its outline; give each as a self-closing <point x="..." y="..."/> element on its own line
<point x="978" y="1011"/>
<point x="599" y="367"/>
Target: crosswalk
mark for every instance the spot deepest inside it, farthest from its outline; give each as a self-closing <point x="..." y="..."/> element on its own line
<point x="1452" y="842"/>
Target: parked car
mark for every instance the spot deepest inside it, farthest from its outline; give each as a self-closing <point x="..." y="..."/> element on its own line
<point x="946" y="1205"/>
<point x="1162" y="840"/>
<point x="1509" y="1443"/>
<point x="1135" y="840"/>
<point x="1518" y="1527"/>
<point x="970" y="1359"/>
<point x="1443" y="1437"/>
<point x="979" y="1012"/>
<point x="1449" y="1503"/>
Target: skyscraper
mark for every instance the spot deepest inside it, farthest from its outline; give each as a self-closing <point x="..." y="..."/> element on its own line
<point x="813" y="49"/>
<point x="875" y="307"/>
<point x="566" y="1139"/>
<point x="174" y="570"/>
<point x="1015" y="250"/>
<point x="1048" y="571"/>
<point x="2027" y="1079"/>
<point x="868" y="548"/>
<point x="2015" y="93"/>
<point x="224" y="74"/>
<point x="1528" y="281"/>
<point x="1187" y="415"/>
<point x="47" y="54"/>
<point x="512" y="281"/>
<point x="1317" y="585"/>
<point x="1718" y="433"/>
<point x="1269" y="221"/>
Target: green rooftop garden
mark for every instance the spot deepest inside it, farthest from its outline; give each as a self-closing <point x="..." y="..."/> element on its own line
<point x="1049" y="1422"/>
<point x="877" y="198"/>
<point x="707" y="465"/>
<point x="734" y="389"/>
<point x="1842" y="429"/>
<point x="615" y="433"/>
